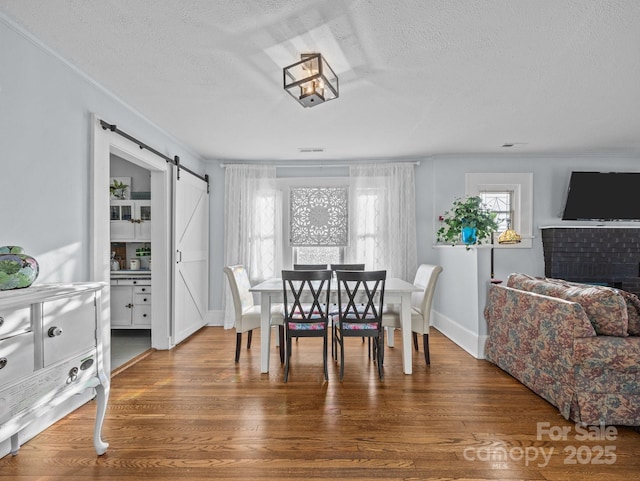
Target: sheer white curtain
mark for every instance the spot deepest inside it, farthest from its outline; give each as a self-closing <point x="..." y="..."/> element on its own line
<point x="253" y="219"/>
<point x="383" y="213"/>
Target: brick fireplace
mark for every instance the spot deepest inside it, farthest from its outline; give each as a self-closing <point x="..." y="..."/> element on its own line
<point x="599" y="255"/>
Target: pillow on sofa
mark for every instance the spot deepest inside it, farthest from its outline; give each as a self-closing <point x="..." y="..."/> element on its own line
<point x="633" y="311"/>
<point x="605" y="307"/>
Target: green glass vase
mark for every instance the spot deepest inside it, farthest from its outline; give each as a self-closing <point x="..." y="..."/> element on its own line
<point x="17" y="270"/>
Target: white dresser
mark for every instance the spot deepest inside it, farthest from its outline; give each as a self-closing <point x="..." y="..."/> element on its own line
<point x="50" y="350"/>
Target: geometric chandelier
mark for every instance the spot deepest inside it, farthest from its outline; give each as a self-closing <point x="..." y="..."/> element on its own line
<point x="310" y="81"/>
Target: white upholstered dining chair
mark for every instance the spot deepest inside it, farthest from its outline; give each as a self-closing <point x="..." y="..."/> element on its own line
<point x="426" y="277"/>
<point x="247" y="314"/>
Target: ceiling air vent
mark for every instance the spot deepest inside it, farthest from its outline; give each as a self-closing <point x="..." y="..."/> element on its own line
<point x="308" y="150"/>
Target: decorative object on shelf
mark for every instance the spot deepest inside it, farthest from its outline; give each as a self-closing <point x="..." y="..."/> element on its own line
<point x="140" y="195"/>
<point x="311" y="81"/>
<point x="468" y="221"/>
<point x="143" y="251"/>
<point x="17" y="270"/>
<point x="469" y="235"/>
<point x="115" y="263"/>
<point x="509" y="236"/>
<point x="119" y="188"/>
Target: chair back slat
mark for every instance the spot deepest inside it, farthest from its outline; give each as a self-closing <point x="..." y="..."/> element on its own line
<point x="347" y="267"/>
<point x="361" y="296"/>
<point x="299" y="287"/>
<point x="309" y="267"/>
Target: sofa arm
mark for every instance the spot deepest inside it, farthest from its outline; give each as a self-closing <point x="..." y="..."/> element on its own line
<point x="515" y="314"/>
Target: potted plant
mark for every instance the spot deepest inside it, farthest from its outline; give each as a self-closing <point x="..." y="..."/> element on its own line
<point x="468" y="221"/>
<point x="117" y="189"/>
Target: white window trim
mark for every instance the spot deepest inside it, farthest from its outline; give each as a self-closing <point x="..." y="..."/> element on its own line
<point x="521" y="184"/>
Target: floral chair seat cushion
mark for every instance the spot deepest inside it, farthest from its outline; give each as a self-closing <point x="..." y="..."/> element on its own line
<point x="356" y="325"/>
<point x="306" y="326"/>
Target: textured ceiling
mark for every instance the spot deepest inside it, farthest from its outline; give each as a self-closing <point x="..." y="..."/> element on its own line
<point x="417" y="78"/>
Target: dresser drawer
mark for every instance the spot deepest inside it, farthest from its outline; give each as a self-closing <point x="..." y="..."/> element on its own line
<point x="69" y="327"/>
<point x="142" y="289"/>
<point x="16" y="358"/>
<point x="142" y="299"/>
<point x="141" y="315"/>
<point x="132" y="282"/>
<point x="13" y="322"/>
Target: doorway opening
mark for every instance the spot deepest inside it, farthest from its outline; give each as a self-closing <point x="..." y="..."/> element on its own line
<point x="106" y="145"/>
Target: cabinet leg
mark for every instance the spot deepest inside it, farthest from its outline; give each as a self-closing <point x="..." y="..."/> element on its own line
<point x="15" y="443"/>
<point x="102" y="396"/>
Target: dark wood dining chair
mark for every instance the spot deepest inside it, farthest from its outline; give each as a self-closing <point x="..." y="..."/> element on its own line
<point x="360" y="303"/>
<point x="346" y="267"/>
<point x="334" y="309"/>
<point x="306" y="303"/>
<point x="309" y="267"/>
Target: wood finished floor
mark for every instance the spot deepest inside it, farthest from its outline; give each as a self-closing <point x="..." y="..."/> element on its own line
<point x="192" y="413"/>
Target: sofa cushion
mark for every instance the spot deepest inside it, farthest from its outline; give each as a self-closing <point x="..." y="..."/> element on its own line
<point x="605" y="307"/>
<point x="633" y="311"/>
<point x="609" y="352"/>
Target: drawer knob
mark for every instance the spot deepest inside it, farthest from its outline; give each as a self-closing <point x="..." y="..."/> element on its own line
<point x="1" y="321"/>
<point x="54" y="331"/>
<point x="3" y="362"/>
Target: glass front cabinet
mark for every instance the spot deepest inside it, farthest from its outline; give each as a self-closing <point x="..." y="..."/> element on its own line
<point x="131" y="220"/>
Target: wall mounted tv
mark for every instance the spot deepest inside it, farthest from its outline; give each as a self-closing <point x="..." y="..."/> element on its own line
<point x="603" y="196"/>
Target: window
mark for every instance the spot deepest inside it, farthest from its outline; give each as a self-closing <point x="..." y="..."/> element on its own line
<point x="318" y="255"/>
<point x="500" y="203"/>
<point x="510" y="195"/>
<point x="370" y="220"/>
<point x="262" y="238"/>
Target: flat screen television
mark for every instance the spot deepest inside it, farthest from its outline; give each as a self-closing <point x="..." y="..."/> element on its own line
<point x="603" y="196"/>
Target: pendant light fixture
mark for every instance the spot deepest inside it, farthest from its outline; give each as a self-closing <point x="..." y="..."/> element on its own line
<point x="311" y="81"/>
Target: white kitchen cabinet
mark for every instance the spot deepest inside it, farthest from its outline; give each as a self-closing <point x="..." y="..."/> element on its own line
<point x="131" y="303"/>
<point x="131" y="220"/>
<point x="51" y="351"/>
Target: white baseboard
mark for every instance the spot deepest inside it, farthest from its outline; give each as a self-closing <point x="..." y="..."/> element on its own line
<point x="463" y="337"/>
<point x="215" y="318"/>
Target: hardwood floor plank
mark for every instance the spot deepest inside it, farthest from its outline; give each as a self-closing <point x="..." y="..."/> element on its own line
<point x="193" y="413"/>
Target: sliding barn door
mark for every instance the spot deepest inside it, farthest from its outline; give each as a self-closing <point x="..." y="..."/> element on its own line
<point x="191" y="259"/>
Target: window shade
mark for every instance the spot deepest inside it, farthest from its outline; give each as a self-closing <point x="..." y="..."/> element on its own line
<point x="319" y="216"/>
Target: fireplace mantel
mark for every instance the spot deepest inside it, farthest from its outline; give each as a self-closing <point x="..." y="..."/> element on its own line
<point x="635" y="225"/>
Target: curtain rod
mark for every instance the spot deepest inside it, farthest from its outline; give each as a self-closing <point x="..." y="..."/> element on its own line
<point x="175" y="161"/>
<point x="281" y="166"/>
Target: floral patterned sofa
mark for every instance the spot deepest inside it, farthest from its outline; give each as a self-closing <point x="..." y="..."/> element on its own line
<point x="576" y="345"/>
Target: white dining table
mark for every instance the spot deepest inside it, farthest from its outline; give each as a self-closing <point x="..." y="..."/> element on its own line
<point x="396" y="291"/>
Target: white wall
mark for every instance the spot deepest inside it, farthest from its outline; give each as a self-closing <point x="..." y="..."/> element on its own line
<point x="45" y="135"/>
<point x="439" y="180"/>
<point x="550" y="181"/>
<point x="45" y="158"/>
<point x="140" y="178"/>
